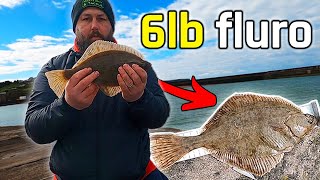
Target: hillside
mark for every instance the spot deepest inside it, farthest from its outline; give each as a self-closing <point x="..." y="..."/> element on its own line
<point x="15" y="92"/>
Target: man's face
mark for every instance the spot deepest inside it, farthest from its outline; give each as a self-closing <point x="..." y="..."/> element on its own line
<point x="93" y="24"/>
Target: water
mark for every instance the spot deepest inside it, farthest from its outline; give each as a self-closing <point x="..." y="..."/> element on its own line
<point x="13" y="115"/>
<point x="299" y="90"/>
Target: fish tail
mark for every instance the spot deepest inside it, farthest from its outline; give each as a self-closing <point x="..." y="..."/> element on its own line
<point x="110" y="90"/>
<point x="57" y="81"/>
<point x="167" y="148"/>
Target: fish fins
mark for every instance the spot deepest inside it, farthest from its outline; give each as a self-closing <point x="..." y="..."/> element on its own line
<point x="110" y="90"/>
<point x="256" y="165"/>
<point x="245" y="173"/>
<point x="167" y="148"/>
<point x="57" y="81"/>
<point x="100" y="46"/>
<point x="239" y="100"/>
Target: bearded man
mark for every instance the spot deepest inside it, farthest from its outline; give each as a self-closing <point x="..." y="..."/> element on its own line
<point x="97" y="137"/>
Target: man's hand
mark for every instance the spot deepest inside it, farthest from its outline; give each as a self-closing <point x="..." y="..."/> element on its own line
<point x="132" y="81"/>
<point x="80" y="90"/>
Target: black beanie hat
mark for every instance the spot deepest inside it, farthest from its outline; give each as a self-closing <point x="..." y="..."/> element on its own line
<point x="80" y="5"/>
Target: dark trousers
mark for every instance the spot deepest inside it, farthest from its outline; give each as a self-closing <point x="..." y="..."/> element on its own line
<point x="156" y="175"/>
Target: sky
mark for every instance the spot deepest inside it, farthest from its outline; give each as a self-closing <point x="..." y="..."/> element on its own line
<point x="34" y="31"/>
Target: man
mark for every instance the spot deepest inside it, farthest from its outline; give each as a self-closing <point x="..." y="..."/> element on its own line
<point x="97" y="137"/>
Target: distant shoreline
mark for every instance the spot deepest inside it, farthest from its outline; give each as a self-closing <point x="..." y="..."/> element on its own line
<point x="277" y="74"/>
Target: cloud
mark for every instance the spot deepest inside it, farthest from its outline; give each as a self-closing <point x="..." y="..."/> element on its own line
<point x="11" y="3"/>
<point x="30" y="54"/>
<point x="61" y="4"/>
<point x="213" y="62"/>
<point x="209" y="61"/>
<point x="207" y="13"/>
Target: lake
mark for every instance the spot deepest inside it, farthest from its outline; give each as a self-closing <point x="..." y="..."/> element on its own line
<point x="299" y="90"/>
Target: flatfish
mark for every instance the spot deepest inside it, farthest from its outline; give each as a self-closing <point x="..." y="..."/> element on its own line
<point x="248" y="131"/>
<point x="105" y="57"/>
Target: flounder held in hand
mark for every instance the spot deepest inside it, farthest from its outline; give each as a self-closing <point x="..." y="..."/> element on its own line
<point x="105" y="57"/>
<point x="248" y="131"/>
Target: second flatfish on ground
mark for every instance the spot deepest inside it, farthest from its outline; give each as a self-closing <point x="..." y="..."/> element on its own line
<point x="249" y="131"/>
<point x="102" y="56"/>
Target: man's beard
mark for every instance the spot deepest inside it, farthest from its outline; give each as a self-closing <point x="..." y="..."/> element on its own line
<point x="84" y="42"/>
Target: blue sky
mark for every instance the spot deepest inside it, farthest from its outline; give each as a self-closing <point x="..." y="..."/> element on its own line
<point x="34" y="31"/>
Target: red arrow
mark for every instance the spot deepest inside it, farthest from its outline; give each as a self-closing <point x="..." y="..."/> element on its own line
<point x="199" y="97"/>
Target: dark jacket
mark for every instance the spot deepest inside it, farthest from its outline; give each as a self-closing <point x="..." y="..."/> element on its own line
<point x="108" y="140"/>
